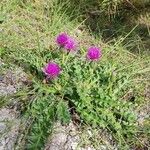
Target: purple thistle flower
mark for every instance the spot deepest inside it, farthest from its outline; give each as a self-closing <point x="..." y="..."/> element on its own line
<point x="70" y="44"/>
<point x="94" y="53"/>
<point x="66" y="42"/>
<point x="62" y="39"/>
<point x="51" y="70"/>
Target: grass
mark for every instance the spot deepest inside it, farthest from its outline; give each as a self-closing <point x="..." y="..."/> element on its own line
<point x="28" y="32"/>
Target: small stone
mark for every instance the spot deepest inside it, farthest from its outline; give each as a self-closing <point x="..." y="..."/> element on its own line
<point x="74" y="145"/>
<point x="1" y="78"/>
<point x="103" y="147"/>
<point x="5" y="90"/>
<point x="2" y="127"/>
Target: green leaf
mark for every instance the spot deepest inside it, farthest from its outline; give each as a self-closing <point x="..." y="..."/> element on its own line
<point x="63" y="112"/>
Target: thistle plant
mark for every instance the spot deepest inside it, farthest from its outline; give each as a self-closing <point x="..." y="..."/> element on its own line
<point x="92" y="85"/>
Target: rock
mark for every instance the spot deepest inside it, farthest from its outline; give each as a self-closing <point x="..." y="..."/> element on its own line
<point x="143" y="113"/>
<point x="12" y="80"/>
<point x="15" y="77"/>
<point x="1" y="78"/>
<point x="2" y="127"/>
<point x="6" y="89"/>
<point x="9" y="128"/>
<point x="65" y="138"/>
<point x="58" y="139"/>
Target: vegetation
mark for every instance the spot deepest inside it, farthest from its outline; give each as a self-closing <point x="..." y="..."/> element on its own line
<point x="106" y="94"/>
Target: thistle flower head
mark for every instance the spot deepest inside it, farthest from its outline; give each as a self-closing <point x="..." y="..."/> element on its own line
<point x="70" y="44"/>
<point x="62" y="39"/>
<point x="51" y="70"/>
<point x="94" y="53"/>
<point x="67" y="42"/>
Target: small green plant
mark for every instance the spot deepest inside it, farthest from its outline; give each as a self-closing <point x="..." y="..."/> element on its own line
<point x="94" y="88"/>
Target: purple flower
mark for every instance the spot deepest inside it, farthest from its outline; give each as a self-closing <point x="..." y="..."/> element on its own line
<point x="62" y="39"/>
<point x="70" y="44"/>
<point x="66" y="42"/>
<point x="94" y="53"/>
<point x="51" y="70"/>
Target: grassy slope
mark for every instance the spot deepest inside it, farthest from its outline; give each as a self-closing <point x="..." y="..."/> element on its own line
<point x="32" y="26"/>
